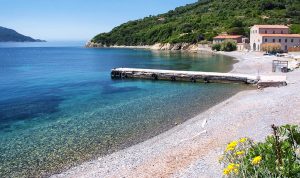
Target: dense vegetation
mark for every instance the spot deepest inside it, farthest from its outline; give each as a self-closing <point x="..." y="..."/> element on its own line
<point x="7" y="35"/>
<point x="227" y="45"/>
<point x="278" y="156"/>
<point x="203" y="20"/>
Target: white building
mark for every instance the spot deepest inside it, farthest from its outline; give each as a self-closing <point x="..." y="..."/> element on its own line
<point x="261" y="34"/>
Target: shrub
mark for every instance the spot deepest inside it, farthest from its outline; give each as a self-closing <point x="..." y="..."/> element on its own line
<point x="236" y="31"/>
<point x="278" y="156"/>
<point x="228" y="45"/>
<point x="216" y="47"/>
<point x="295" y="28"/>
<point x="271" y="47"/>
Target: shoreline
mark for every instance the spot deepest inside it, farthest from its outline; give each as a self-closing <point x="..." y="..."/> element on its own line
<point x="191" y="149"/>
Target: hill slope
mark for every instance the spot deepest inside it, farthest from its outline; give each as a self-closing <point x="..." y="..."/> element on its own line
<point x="203" y="20"/>
<point x="9" y="35"/>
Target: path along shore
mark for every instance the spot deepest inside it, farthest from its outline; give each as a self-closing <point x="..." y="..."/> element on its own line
<point x="192" y="148"/>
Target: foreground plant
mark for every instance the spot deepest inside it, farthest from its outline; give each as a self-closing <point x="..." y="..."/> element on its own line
<point x="277" y="156"/>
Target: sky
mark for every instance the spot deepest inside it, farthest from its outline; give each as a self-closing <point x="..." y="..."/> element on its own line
<point x="73" y="20"/>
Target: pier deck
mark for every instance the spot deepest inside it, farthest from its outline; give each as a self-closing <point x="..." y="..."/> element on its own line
<point x="195" y="76"/>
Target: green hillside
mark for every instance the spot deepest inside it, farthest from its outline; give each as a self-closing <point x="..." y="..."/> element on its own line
<point x="9" y="35"/>
<point x="202" y="21"/>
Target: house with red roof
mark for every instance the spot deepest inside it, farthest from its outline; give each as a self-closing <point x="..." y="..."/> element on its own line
<point x="280" y="34"/>
<point x="222" y="38"/>
<point x="242" y="42"/>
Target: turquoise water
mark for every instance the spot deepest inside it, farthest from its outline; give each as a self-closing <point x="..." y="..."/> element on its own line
<point x="59" y="106"/>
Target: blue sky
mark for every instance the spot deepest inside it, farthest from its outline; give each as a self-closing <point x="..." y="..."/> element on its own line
<point x="76" y="19"/>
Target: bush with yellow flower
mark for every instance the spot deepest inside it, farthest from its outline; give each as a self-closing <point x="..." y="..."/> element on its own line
<point x="277" y="156"/>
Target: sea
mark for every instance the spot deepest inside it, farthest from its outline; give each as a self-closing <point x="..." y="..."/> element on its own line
<point x="59" y="106"/>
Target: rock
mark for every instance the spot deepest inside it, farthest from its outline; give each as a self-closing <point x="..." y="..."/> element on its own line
<point x="193" y="47"/>
<point x="185" y="46"/>
<point x="91" y="44"/>
<point x="176" y="47"/>
<point x="167" y="46"/>
<point x="157" y="46"/>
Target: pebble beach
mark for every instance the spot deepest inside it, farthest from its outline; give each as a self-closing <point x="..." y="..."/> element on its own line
<point x="192" y="149"/>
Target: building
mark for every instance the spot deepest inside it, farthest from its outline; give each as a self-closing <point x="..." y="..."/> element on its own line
<point x="242" y="42"/>
<point x="261" y="34"/>
<point x="222" y="38"/>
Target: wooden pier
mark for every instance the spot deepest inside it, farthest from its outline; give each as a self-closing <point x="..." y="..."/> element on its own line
<point x="194" y="76"/>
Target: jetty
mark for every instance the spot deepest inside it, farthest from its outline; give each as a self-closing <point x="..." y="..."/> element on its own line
<point x="261" y="81"/>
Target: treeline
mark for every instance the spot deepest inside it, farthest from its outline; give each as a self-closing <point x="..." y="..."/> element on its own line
<point x="202" y="21"/>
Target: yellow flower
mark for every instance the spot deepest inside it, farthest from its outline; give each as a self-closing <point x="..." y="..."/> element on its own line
<point x="231" y="168"/>
<point x="256" y="160"/>
<point x="243" y="140"/>
<point x="236" y="171"/>
<point x="240" y="153"/>
<point x="226" y="171"/>
<point x="231" y="146"/>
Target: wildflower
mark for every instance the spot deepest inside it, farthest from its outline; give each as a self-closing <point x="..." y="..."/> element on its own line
<point x="256" y="160"/>
<point x="231" y="168"/>
<point x="239" y="153"/>
<point x="236" y="171"/>
<point x="231" y="146"/>
<point x="226" y="171"/>
<point x="243" y="140"/>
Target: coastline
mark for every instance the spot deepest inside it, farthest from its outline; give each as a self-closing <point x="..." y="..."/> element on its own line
<point x="192" y="148"/>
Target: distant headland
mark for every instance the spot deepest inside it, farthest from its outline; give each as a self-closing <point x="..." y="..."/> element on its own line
<point x="9" y="35"/>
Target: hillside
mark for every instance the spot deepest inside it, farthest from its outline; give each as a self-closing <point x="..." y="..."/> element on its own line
<point x="202" y="21"/>
<point x="9" y="35"/>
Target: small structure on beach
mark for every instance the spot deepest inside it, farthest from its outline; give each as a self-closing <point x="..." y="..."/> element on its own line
<point x="242" y="42"/>
<point x="221" y="38"/>
<point x="273" y="34"/>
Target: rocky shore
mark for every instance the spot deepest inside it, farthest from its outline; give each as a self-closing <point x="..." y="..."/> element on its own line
<point x="158" y="46"/>
<point x="192" y="148"/>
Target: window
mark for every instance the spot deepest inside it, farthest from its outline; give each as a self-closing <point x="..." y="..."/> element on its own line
<point x="279" y="40"/>
<point x="292" y="40"/>
<point x="273" y="40"/>
<point x="273" y="31"/>
<point x="266" y="32"/>
<point x="266" y="40"/>
<point x="286" y="40"/>
<point x="281" y="31"/>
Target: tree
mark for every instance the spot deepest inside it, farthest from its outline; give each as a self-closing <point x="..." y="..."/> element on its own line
<point x="228" y="45"/>
<point x="216" y="47"/>
<point x="271" y="47"/>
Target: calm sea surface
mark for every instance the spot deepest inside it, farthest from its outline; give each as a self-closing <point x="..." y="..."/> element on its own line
<point x="59" y="106"/>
